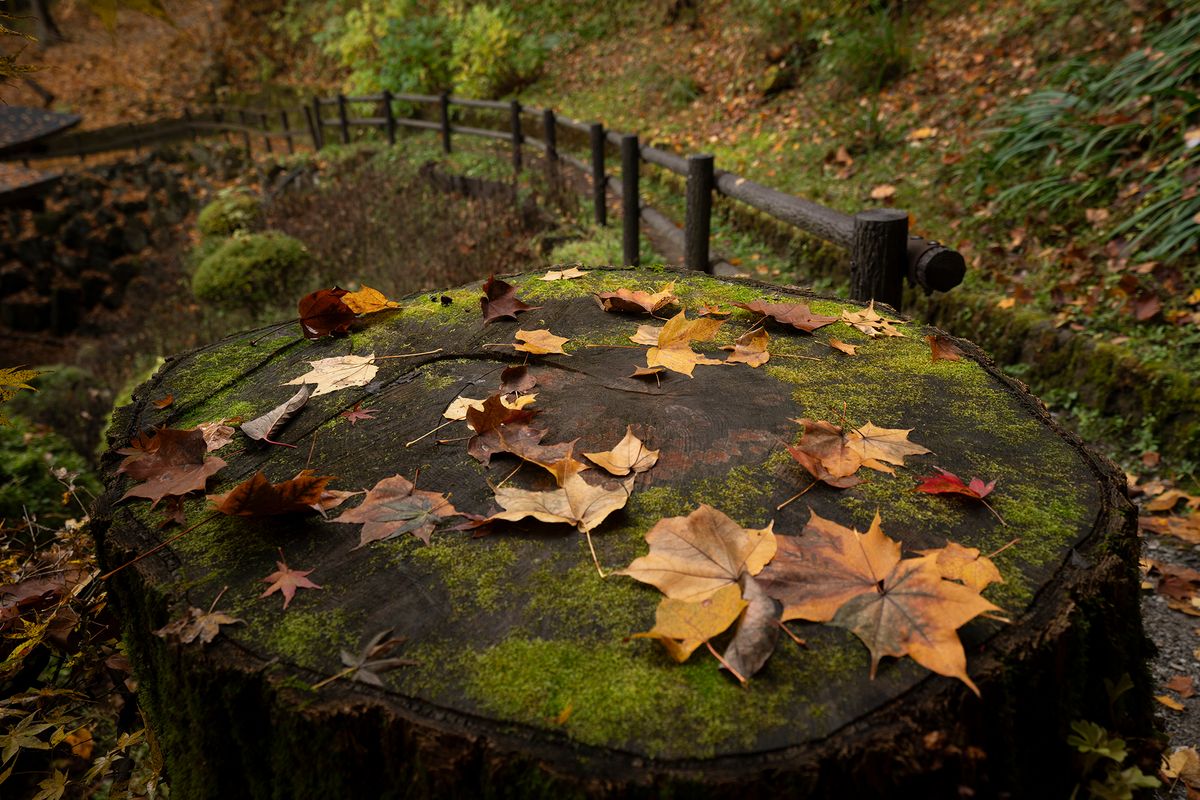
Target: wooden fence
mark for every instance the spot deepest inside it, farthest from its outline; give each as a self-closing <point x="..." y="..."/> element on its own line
<point x="882" y="253"/>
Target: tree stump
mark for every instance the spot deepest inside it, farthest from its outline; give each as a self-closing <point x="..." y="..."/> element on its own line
<point x="526" y="681"/>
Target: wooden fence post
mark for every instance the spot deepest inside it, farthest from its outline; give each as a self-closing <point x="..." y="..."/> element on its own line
<point x="390" y="116"/>
<point x="517" y="137"/>
<point x="550" y="137"/>
<point x="878" y="256"/>
<point x="631" y="204"/>
<point x="265" y="123"/>
<point x="343" y="118"/>
<point x="287" y="131"/>
<point x="599" y="180"/>
<point x="698" y="219"/>
<point x="219" y="116"/>
<point x="317" y="122"/>
<point x="445" y="109"/>
<point x="245" y="131"/>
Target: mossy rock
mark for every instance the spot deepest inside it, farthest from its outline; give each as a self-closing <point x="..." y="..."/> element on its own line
<point x="250" y="271"/>
<point x="229" y="213"/>
<point x="526" y="683"/>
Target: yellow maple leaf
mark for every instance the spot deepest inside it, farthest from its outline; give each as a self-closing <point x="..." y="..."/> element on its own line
<point x="367" y="301"/>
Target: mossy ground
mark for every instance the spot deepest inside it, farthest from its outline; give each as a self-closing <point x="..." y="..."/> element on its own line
<point x="518" y="625"/>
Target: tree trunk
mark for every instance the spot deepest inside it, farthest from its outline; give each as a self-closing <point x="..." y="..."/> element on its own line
<point x="48" y="33"/>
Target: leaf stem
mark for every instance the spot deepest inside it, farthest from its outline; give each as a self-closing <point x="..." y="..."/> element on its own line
<point x="724" y="663"/>
<point x="796" y="496"/>
<point x="157" y="547"/>
<point x="595" y="560"/>
<point x="423" y="435"/>
<point x="791" y="355"/>
<point x="995" y="553"/>
<point x="281" y="444"/>
<point x="408" y="355"/>
<point x="332" y="678"/>
<point x="988" y="506"/>
<point x="791" y="635"/>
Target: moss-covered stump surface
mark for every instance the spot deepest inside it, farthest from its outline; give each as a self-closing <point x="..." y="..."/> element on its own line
<point x="525" y="681"/>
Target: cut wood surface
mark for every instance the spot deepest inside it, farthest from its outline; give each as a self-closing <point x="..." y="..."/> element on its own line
<point x="525" y="679"/>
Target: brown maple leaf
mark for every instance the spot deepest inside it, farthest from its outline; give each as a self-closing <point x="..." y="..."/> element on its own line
<point x="373" y="659"/>
<point x="798" y="315"/>
<point x="943" y="348"/>
<point x="394" y="506"/>
<point x="500" y="300"/>
<point x="636" y="300"/>
<point x="576" y="502"/>
<point x="287" y="580"/>
<point x="842" y="347"/>
<point x="357" y="414"/>
<point x="749" y="348"/>
<point x="495" y="419"/>
<point x="692" y="557"/>
<point x="628" y="455"/>
<point x="826" y="454"/>
<point x="323" y="313"/>
<point x="216" y="434"/>
<point x="165" y="402"/>
<point x="172" y="463"/>
<point x="516" y="380"/>
<point x="197" y="624"/>
<point x="258" y="497"/>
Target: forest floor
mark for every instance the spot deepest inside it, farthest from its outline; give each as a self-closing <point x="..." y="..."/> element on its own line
<point x="693" y="86"/>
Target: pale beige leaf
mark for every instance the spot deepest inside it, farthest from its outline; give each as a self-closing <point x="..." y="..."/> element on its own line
<point x="679" y="358"/>
<point x="337" y="373"/>
<point x="539" y="342"/>
<point x="889" y="445"/>
<point x="646" y="334"/>
<point x="262" y="427"/>
<point x="576" y="502"/>
<point x="216" y="434"/>
<point x="629" y="454"/>
<point x="564" y="275"/>
<point x="840" y="346"/>
<point x="749" y="348"/>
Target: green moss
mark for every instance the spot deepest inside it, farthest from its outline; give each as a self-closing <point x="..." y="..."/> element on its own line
<point x="309" y="638"/>
<point x="429" y="309"/>
<point x="252" y="271"/>
<point x="436" y="382"/>
<point x="475" y="572"/>
<point x="230" y="212"/>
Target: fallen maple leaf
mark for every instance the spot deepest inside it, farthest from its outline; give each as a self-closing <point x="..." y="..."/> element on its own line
<point x="337" y="373"/>
<point x="683" y="625"/>
<point x="646" y="372"/>
<point x="323" y="313"/>
<point x="798" y="315"/>
<point x="637" y="300"/>
<point x="1183" y="764"/>
<point x="629" y="454"/>
<point x="490" y="421"/>
<point x="165" y="402"/>
<point x="367" y="301"/>
<point x="357" y="414"/>
<point x="366" y="666"/>
<point x="564" y="275"/>
<point x="173" y="463"/>
<point x="889" y="445"/>
<point x="286" y="581"/>
<point x="943" y="348"/>
<point x="197" y="624"/>
<point x="949" y="483"/>
<point x="711" y="311"/>
<point x="957" y="563"/>
<point x="540" y="342"/>
<point x="1167" y="500"/>
<point x="457" y="410"/>
<point x="576" y="502"/>
<point x="749" y="348"/>
<point x="1185" y="528"/>
<point x="261" y="428"/>
<point x="1170" y="702"/>
<point x="842" y="347"/>
<point x="692" y="557"/>
<point x="870" y="322"/>
<point x="757" y="630"/>
<point x="673" y="343"/>
<point x="826" y="453"/>
<point x="500" y="300"/>
<point x="258" y="497"/>
<point x="394" y="506"/>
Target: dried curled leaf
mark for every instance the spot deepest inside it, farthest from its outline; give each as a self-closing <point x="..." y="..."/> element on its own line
<point x="576" y="502"/>
<point x="943" y="348"/>
<point x="564" y="275"/>
<point x="197" y="624"/>
<point x="673" y="343"/>
<point x="636" y="300"/>
<point x="457" y="410"/>
<point x="500" y="300"/>
<point x="798" y="315"/>
<point x="258" y="497"/>
<point x="262" y="427"/>
<point x="870" y="322"/>
<point x="949" y="483"/>
<point x="323" y="313"/>
<point x="826" y="454"/>
<point x="172" y="463"/>
<point x="749" y="348"/>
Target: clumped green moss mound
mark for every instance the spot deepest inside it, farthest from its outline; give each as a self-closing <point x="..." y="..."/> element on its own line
<point x="229" y="213"/>
<point x="251" y="270"/>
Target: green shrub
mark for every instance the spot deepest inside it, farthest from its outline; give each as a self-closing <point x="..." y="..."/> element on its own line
<point x="228" y="213"/>
<point x="249" y="271"/>
<point x="491" y="56"/>
<point x="28" y="453"/>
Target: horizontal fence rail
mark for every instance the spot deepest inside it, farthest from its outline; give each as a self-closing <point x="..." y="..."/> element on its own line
<point x="882" y="253"/>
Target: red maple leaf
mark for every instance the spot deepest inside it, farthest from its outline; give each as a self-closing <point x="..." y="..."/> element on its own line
<point x="323" y="313"/>
<point x="355" y="414"/>
<point x="500" y="300"/>
<point x="287" y="580"/>
<point x="949" y="483"/>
